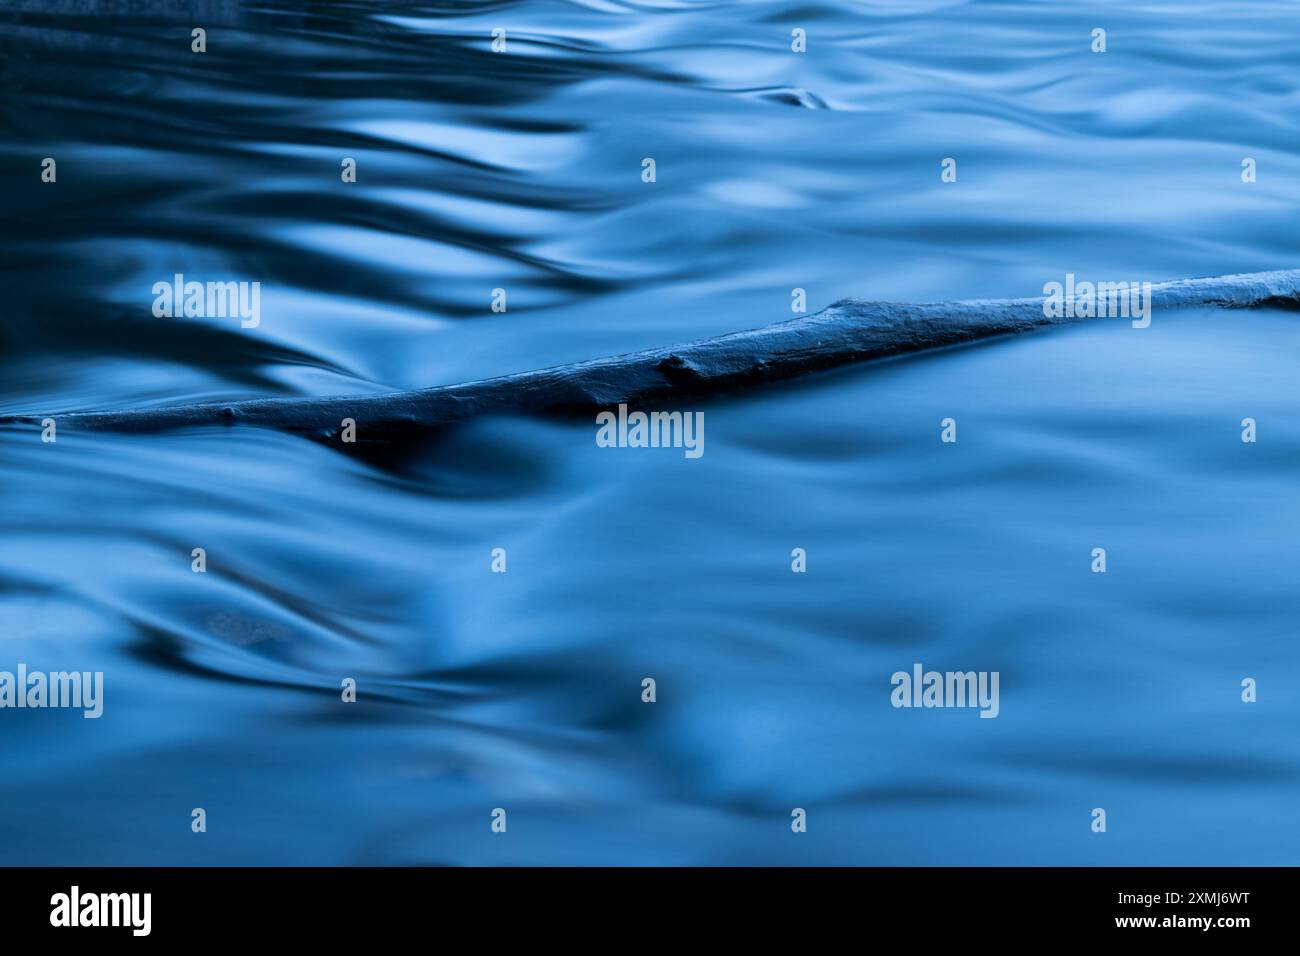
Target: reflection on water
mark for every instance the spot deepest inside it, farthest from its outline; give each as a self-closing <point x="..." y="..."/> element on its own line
<point x="522" y="171"/>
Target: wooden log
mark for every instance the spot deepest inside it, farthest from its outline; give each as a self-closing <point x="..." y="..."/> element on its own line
<point x="847" y="332"/>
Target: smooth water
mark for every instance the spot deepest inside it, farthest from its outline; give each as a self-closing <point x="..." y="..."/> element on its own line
<point x="774" y="170"/>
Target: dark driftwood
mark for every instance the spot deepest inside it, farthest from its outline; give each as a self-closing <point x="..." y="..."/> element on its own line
<point x="848" y="331"/>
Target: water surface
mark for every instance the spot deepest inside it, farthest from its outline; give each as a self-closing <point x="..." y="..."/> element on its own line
<point x="522" y="170"/>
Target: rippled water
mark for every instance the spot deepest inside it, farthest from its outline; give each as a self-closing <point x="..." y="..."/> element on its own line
<point x="522" y="170"/>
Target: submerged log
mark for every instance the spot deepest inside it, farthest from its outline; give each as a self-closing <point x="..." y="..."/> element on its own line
<point x="847" y="332"/>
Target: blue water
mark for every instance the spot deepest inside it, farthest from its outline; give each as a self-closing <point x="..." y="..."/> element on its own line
<point x="522" y="691"/>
